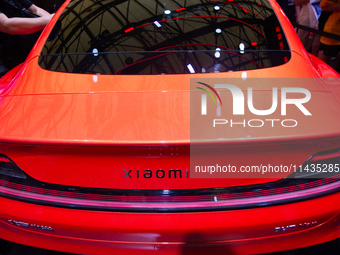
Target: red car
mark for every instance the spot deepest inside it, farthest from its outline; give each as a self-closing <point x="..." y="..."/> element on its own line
<point x="170" y="127"/>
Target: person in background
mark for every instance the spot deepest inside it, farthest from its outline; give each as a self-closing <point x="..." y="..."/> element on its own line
<point x="288" y="6"/>
<point x="331" y="47"/>
<point x="19" y="33"/>
<point x="308" y="13"/>
<point x="49" y="5"/>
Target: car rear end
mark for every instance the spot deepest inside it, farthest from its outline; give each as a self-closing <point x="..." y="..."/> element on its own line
<point x="101" y="140"/>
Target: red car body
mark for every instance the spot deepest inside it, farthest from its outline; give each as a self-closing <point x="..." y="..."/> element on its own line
<point x="78" y="131"/>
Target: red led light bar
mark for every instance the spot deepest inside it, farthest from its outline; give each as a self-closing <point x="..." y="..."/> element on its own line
<point x="178" y="206"/>
<point x="129" y="29"/>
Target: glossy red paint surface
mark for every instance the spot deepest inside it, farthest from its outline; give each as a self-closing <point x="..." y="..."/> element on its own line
<point x="238" y="232"/>
<point x="83" y="130"/>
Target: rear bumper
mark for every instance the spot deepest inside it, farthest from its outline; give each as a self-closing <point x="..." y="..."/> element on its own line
<point x="248" y="231"/>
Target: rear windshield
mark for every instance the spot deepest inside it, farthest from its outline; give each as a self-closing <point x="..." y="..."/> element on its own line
<point x="165" y="37"/>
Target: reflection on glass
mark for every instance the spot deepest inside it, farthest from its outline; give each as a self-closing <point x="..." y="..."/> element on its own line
<point x="151" y="37"/>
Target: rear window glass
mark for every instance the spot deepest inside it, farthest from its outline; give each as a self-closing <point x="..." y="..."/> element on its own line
<point x="165" y="37"/>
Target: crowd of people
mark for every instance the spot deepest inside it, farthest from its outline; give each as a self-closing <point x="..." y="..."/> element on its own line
<point x="19" y="32"/>
<point x="318" y="26"/>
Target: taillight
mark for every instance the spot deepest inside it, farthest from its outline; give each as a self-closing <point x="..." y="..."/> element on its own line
<point x="318" y="176"/>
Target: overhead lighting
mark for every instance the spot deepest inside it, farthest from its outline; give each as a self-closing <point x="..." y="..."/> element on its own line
<point x="129" y="29"/>
<point x="167" y="12"/>
<point x="216" y="8"/>
<point x="95" y="52"/>
<point x="217" y="68"/>
<point x="241" y="46"/>
<point x="218" y="53"/>
<point x="157" y="23"/>
<point x="191" y="69"/>
<point x="218" y="30"/>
